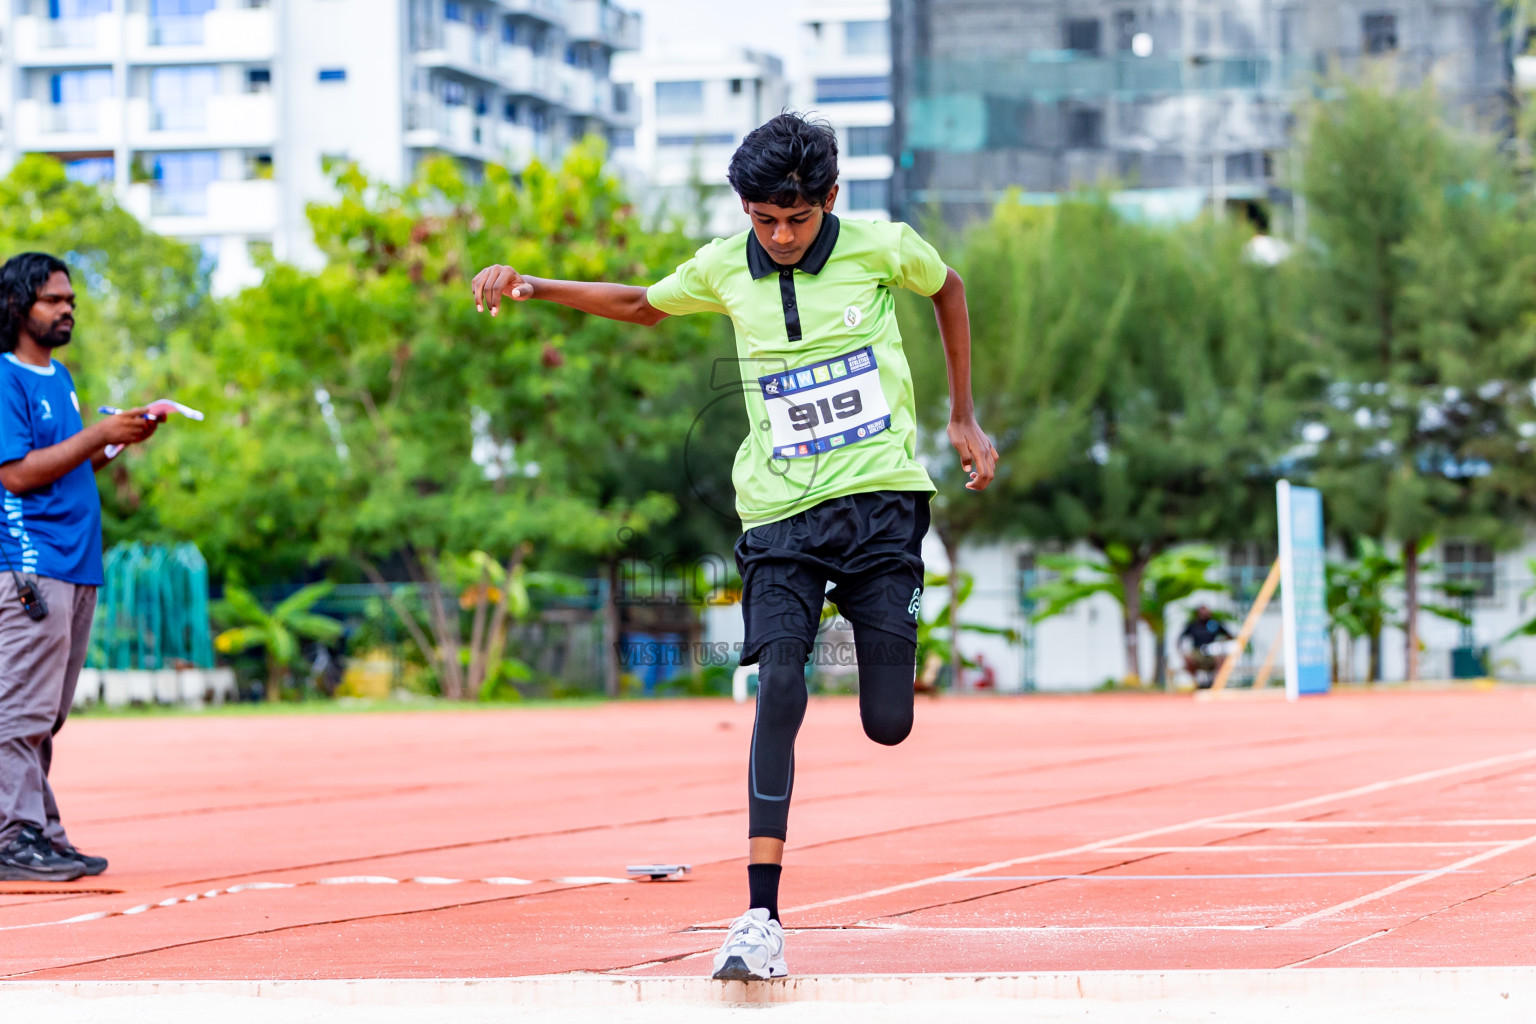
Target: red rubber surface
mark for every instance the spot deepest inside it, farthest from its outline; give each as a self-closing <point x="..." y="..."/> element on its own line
<point x="1116" y="792"/>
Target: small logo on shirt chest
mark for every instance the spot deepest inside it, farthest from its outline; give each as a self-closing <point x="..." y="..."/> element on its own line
<point x="47" y="409"/>
<point x="853" y="316"/>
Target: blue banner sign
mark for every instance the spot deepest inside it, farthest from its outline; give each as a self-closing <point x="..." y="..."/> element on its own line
<point x="1303" y="595"/>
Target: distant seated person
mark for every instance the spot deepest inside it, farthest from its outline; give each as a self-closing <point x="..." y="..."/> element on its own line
<point x="1198" y="642"/>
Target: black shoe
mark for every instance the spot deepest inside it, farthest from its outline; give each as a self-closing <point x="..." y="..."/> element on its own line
<point x="29" y="857"/>
<point x="93" y="865"/>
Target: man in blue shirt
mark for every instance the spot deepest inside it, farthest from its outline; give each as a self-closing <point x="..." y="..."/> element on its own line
<point x="50" y="557"/>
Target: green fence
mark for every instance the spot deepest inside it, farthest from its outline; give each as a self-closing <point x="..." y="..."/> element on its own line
<point x="153" y="611"/>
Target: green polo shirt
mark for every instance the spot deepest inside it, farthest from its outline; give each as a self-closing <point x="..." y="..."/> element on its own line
<point x="828" y="390"/>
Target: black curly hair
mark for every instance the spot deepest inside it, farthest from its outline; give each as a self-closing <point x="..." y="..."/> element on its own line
<point x="789" y="159"/>
<point x="20" y="279"/>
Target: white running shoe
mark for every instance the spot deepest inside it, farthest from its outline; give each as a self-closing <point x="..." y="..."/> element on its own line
<point x="753" y="950"/>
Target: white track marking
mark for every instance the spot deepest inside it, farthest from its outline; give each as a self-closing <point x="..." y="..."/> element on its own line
<point x="1325" y="847"/>
<point x="1134" y="837"/>
<point x="143" y="908"/>
<point x="1409" y="883"/>
<point x="1399" y="823"/>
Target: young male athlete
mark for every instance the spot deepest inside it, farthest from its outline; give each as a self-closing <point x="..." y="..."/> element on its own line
<point x="827" y="484"/>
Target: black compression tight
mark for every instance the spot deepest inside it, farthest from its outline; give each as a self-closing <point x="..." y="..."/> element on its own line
<point x="886" y="669"/>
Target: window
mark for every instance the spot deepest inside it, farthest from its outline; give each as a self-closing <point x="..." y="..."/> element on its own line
<point x="1085" y="128"/>
<point x="869" y="195"/>
<point x="873" y="88"/>
<point x="258" y="166"/>
<point x="1380" y="32"/>
<point x="333" y="74"/>
<point x="258" y="80"/>
<point x="91" y="170"/>
<point x="482" y="103"/>
<point x="1125" y="30"/>
<point x="867" y="38"/>
<point x="1082" y="36"/>
<point x="481" y="20"/>
<point x="82" y="87"/>
<point x="177" y="22"/>
<point x="453" y="10"/>
<point x="181" y="182"/>
<point x="509" y="111"/>
<point x="622" y="138"/>
<point x="178" y="96"/>
<point x="718" y="139"/>
<point x="1241" y="167"/>
<point x="869" y="141"/>
<point x="508" y="30"/>
<point x="180" y="8"/>
<point x="679" y="99"/>
<point x="1470" y="563"/>
<point x="66" y="9"/>
<point x="735" y="87"/>
<point x="454" y="93"/>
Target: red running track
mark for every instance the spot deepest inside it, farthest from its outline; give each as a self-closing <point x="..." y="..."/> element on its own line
<point x="1007" y="835"/>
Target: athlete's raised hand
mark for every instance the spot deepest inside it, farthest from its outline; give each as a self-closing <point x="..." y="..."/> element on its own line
<point x="978" y="455"/>
<point x="495" y="281"/>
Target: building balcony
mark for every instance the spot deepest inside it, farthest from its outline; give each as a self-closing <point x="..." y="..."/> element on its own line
<point x="521" y="72"/>
<point x="54" y="42"/>
<point x="64" y="127"/>
<point x="431" y="124"/>
<point x="224" y="34"/>
<point x="462" y="132"/>
<point x="221" y="121"/>
<point x="459" y="47"/>
<point x="550" y="11"/>
<point x="598" y="21"/>
<point x="219" y="208"/>
<point x="579" y="92"/>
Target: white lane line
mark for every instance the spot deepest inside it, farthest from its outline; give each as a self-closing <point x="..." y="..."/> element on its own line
<point x="1293" y="847"/>
<point x="1191" y="878"/>
<point x="339" y="880"/>
<point x="1398" y="823"/>
<point x="1135" y="837"/>
<point x="1409" y="883"/>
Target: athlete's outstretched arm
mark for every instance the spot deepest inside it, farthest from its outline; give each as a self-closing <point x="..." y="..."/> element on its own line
<point x="624" y="302"/>
<point x="978" y="456"/>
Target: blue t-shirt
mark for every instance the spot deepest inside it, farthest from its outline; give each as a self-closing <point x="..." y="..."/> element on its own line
<point x="55" y="530"/>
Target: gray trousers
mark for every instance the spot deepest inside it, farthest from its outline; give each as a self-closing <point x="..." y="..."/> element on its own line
<point x="40" y="664"/>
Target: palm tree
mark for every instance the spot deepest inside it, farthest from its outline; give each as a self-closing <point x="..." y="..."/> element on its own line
<point x="278" y="631"/>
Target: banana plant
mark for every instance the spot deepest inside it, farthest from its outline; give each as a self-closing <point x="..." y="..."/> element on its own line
<point x="278" y="632"/>
<point x="1168" y="577"/>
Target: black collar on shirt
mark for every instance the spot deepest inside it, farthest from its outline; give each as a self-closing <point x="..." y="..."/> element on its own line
<point x="760" y="264"/>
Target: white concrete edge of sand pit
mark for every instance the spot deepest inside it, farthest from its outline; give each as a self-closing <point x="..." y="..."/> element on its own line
<point x="1465" y="986"/>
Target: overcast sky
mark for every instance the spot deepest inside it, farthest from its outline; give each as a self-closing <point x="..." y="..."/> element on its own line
<point x="710" y="25"/>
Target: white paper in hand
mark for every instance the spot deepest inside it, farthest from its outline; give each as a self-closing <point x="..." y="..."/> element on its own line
<point x="159" y="407"/>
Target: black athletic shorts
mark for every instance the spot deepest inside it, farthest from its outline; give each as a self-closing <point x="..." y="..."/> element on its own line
<point x="869" y="545"/>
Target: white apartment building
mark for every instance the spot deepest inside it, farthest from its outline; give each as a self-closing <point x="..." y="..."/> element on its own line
<point x="845" y="77"/>
<point x="694" y="110"/>
<point x="214" y="120"/>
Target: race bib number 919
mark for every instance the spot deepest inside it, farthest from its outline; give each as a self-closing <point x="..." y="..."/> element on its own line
<point x="825" y="406"/>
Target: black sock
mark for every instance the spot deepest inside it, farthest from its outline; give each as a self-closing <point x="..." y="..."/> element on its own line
<point x="763" y="885"/>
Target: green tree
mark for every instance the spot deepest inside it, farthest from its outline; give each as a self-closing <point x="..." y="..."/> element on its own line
<point x="1418" y="295"/>
<point x="369" y="417"/>
<point x="278" y="632"/>
<point x="143" y="318"/>
<point x="1168" y="577"/>
<point x="1142" y="388"/>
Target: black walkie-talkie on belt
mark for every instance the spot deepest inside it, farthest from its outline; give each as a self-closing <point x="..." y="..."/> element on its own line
<point x="31" y="598"/>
